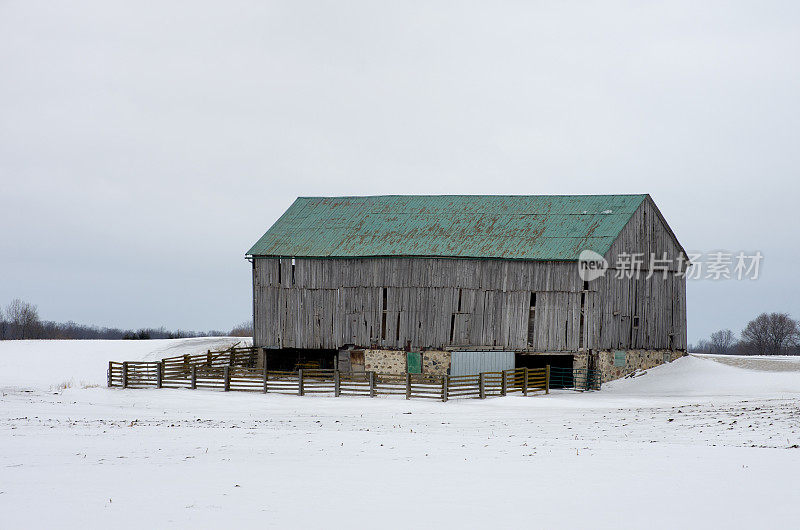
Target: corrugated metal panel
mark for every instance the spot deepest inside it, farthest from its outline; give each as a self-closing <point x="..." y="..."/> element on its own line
<point x="535" y="227"/>
<point x="475" y="362"/>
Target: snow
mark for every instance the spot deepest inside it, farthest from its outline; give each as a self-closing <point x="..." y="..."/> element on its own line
<point x="695" y="443"/>
<point x="696" y="377"/>
<point x="768" y="363"/>
<point x="46" y="363"/>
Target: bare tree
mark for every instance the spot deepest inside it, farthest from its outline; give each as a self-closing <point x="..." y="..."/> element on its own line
<point x="245" y="329"/>
<point x="771" y="334"/>
<point x="722" y="341"/>
<point x="702" y="346"/>
<point x="23" y="319"/>
<point x="783" y="333"/>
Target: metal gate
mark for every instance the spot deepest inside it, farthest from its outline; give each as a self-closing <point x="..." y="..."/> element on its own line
<point x="575" y="378"/>
<point x="475" y="362"/>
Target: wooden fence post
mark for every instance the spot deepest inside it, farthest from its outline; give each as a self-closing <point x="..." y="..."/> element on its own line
<point x="445" y="385"/>
<point x="110" y="375"/>
<point x="159" y="374"/>
<point x="261" y="358"/>
<point x="503" y="383"/>
<point x="300" y="382"/>
<point x="194" y="377"/>
<point x="525" y="382"/>
<point x="125" y="374"/>
<point x="547" y="379"/>
<point x="481" y="386"/>
<point x="372" y="392"/>
<point x="226" y="372"/>
<point x="208" y="358"/>
<point x="232" y="357"/>
<point x="266" y="378"/>
<point x="337" y="384"/>
<point x="408" y="385"/>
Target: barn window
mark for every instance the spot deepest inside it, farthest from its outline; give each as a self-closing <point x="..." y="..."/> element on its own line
<point x="397" y="330"/>
<point x="581" y="339"/>
<point x="531" y="320"/>
<point x="292" y="271"/>
<point x="383" y="315"/>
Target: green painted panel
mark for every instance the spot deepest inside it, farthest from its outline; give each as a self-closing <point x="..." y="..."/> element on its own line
<point x="414" y="362"/>
<point x="529" y="227"/>
<point x="619" y="358"/>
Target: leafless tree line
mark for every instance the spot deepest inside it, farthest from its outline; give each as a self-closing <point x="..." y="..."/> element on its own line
<point x="245" y="329"/>
<point x="767" y="334"/>
<point x="20" y="320"/>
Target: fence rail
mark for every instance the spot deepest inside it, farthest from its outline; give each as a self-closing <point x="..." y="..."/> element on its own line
<point x="235" y="370"/>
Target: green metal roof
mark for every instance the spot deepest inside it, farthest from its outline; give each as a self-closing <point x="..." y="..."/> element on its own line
<point x="530" y="227"/>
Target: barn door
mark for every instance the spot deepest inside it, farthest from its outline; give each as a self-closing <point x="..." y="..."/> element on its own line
<point x="414" y="362"/>
<point x="357" y="360"/>
<point x="344" y="361"/>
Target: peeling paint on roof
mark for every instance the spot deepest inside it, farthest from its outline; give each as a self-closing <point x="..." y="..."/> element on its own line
<point x="529" y="227"/>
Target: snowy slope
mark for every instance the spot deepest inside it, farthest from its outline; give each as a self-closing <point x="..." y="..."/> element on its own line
<point x="697" y="376"/>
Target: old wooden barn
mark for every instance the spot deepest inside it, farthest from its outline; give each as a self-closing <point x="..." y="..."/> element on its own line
<point x="463" y="284"/>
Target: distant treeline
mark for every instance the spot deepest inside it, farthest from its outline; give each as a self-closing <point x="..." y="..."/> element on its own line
<point x="767" y="334"/>
<point x="20" y="320"/>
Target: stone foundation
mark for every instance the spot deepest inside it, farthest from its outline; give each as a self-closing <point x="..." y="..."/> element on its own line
<point x="385" y="361"/>
<point x="579" y="360"/>
<point x="634" y="360"/>
<point x="394" y="361"/>
<point x="435" y="362"/>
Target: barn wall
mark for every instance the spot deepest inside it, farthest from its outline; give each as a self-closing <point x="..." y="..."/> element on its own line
<point x="659" y="302"/>
<point x="402" y="303"/>
<point x="397" y="303"/>
<point x="646" y="233"/>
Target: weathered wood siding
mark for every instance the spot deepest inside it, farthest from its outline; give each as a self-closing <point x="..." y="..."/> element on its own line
<point x="646" y="233"/>
<point x="429" y="303"/>
<point x="658" y="302"/>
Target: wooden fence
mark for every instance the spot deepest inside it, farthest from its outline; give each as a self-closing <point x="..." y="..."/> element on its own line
<point x="235" y="369"/>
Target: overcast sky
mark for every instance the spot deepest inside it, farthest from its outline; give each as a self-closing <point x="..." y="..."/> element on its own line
<point x="144" y="146"/>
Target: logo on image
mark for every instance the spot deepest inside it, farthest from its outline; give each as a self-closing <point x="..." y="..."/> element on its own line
<point x="591" y="265"/>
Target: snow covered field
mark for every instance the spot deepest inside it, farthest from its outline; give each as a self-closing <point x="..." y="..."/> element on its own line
<point x="43" y="363"/>
<point x="768" y="363"/>
<point x="695" y="443"/>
